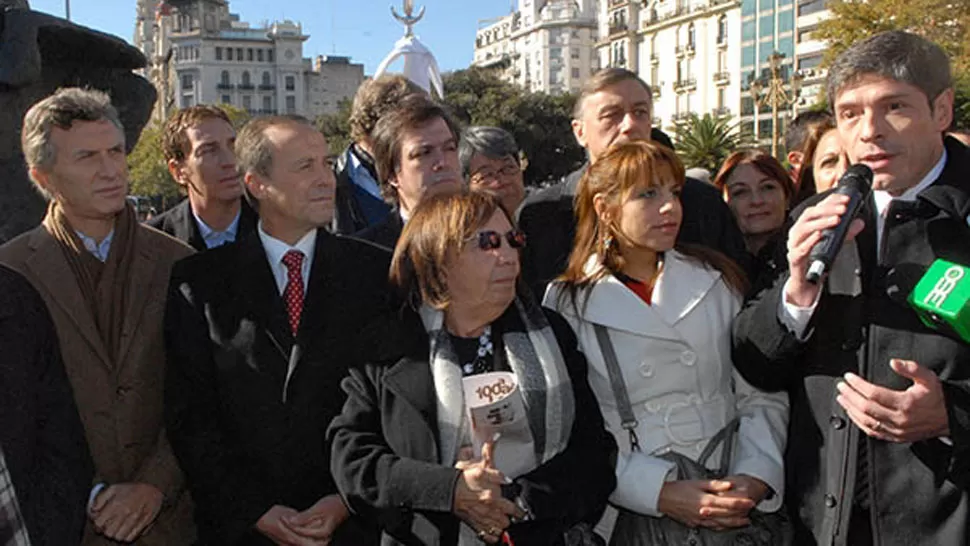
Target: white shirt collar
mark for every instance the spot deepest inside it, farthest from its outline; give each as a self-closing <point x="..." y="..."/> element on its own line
<point x="883" y="198"/>
<point x="98" y="250"/>
<point x="214" y="236"/>
<point x="276" y="249"/>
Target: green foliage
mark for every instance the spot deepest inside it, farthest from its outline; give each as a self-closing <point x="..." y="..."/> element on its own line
<point x="336" y="127"/>
<point x="961" y="103"/>
<point x="147" y="168"/>
<point x="237" y="115"/>
<point x="539" y="122"/>
<point x="707" y="141"/>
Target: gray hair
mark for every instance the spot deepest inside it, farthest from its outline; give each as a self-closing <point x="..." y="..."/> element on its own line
<point x="492" y="142"/>
<point x="61" y="110"/>
<point x="897" y="55"/>
<point x="254" y="151"/>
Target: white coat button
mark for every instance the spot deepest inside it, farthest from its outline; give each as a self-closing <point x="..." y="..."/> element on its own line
<point x="652" y="407"/>
<point x="646" y="370"/>
<point x="688" y="358"/>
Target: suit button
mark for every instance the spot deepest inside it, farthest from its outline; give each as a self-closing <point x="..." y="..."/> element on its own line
<point x="830" y="501"/>
<point x="688" y="358"/>
<point x="837" y="422"/>
<point x="646" y="370"/>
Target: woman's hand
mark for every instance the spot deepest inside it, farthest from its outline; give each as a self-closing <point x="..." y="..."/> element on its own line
<point x="744" y="486"/>
<point x="705" y="503"/>
<point x="478" y="497"/>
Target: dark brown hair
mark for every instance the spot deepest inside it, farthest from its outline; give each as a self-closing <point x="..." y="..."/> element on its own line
<point x="623" y="169"/>
<point x="761" y="160"/>
<point x="806" y="176"/>
<point x="412" y="112"/>
<point x="438" y="230"/>
<point x="175" y="141"/>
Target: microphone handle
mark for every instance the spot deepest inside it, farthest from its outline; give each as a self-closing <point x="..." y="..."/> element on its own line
<point x="825" y="251"/>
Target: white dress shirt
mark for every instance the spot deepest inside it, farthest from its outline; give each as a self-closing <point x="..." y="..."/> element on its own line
<point x="98" y="250"/>
<point x="276" y="249"/>
<point x="796" y="318"/>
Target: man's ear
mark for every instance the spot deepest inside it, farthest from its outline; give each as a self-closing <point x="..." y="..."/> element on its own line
<point x="175" y="169"/>
<point x="579" y="131"/>
<point x="255" y="184"/>
<point x="943" y="109"/>
<point x="40" y="177"/>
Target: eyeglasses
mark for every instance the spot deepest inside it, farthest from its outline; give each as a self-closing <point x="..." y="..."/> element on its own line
<point x="482" y="177"/>
<point x="491" y="240"/>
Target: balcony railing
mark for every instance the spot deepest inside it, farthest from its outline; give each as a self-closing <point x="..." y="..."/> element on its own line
<point x="618" y="28"/>
<point x="655" y="90"/>
<point x="683" y="9"/>
<point x="654" y="58"/>
<point x="188" y="86"/>
<point x="722" y="78"/>
<point x="721" y="111"/>
<point x="267" y="87"/>
<point x="681" y="117"/>
<point x="225" y="86"/>
<point x="687" y="84"/>
<point x="684" y="50"/>
<point x="245" y="87"/>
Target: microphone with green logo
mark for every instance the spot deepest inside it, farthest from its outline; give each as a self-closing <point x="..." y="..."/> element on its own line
<point x="941" y="298"/>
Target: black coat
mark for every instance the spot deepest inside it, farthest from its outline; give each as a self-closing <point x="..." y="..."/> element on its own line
<point x="919" y="490"/>
<point x="40" y="431"/>
<point x="179" y="222"/>
<point x="385" y="233"/>
<point x="385" y="453"/>
<point x="245" y="436"/>
<point x="549" y="222"/>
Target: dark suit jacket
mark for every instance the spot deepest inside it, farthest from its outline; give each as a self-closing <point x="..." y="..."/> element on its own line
<point x="919" y="491"/>
<point x="349" y="215"/>
<point x="246" y="436"/>
<point x="180" y="223"/>
<point x="385" y="452"/>
<point x="548" y="220"/>
<point x="40" y="431"/>
<point x="386" y="233"/>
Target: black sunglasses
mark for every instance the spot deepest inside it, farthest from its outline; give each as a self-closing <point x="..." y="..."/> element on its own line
<point x="490" y="240"/>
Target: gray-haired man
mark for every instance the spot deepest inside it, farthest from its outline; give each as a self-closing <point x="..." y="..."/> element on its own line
<point x="879" y="451"/>
<point x="490" y="161"/>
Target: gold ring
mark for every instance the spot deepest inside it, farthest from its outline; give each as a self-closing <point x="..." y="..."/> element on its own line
<point x="877" y="427"/>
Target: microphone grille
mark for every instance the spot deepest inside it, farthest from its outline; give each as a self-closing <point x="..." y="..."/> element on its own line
<point x="858" y="175"/>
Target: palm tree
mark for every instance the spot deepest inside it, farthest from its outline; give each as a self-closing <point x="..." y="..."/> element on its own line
<point x="707" y="141"/>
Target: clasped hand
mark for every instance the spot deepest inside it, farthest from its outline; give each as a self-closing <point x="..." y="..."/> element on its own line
<point x="714" y="504"/>
<point x="125" y="511"/>
<point x="478" y="497"/>
<point x="314" y="526"/>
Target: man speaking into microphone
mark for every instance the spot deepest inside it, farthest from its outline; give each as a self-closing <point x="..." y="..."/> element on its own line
<point x="879" y="446"/>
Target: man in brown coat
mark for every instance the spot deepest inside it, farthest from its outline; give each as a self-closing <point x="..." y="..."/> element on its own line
<point x="104" y="278"/>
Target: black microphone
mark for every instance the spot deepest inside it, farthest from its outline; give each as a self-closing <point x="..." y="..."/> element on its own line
<point x="856" y="183"/>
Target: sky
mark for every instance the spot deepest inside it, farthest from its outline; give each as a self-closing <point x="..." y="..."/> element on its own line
<point x="361" y="29"/>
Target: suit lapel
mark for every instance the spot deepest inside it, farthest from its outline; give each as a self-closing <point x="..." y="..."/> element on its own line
<point x="48" y="265"/>
<point x="140" y="291"/>
<point x="411" y="382"/>
<point x="314" y="317"/>
<point x="263" y="301"/>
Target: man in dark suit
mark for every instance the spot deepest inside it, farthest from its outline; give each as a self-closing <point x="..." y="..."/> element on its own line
<point x="360" y="203"/>
<point x="879" y="446"/>
<point x="198" y="148"/>
<point x="416" y="151"/>
<point x="260" y="334"/>
<point x="615" y="106"/>
<point x="41" y="438"/>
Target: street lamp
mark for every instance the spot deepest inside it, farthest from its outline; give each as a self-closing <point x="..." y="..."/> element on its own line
<point x="67" y="9"/>
<point x="773" y="93"/>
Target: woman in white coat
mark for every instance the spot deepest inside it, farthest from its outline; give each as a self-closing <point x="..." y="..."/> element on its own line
<point x="668" y="313"/>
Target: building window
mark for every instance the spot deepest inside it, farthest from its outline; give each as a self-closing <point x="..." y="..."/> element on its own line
<point x="786" y="46"/>
<point x="766" y="26"/>
<point x="218" y="53"/>
<point x="290" y="104"/>
<point x="691" y="36"/>
<point x="290" y="83"/>
<point x="259" y="55"/>
<point x="186" y="81"/>
<point x="764" y="5"/>
<point x="722" y="29"/>
<point x="226" y="99"/>
<point x="266" y="80"/>
<point x="574" y="52"/>
<point x="249" y="54"/>
<point x="239" y="54"/>
<point x="228" y="53"/>
<point x="267" y="104"/>
<point x="224" y="78"/>
<point x="270" y="55"/>
<point x="247" y="103"/>
<point x="747" y="56"/>
<point x="575" y="73"/>
<point x="809" y="61"/>
<point x="187" y="101"/>
<point x="786" y="20"/>
<point x="720" y="97"/>
<point x="811" y="6"/>
<point x="246" y="82"/>
<point x="748" y="7"/>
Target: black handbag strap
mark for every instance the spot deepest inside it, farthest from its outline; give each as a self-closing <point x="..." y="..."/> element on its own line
<point x="627" y="420"/>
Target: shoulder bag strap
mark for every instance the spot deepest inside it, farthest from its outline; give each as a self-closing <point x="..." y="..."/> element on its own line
<point x="627" y="419"/>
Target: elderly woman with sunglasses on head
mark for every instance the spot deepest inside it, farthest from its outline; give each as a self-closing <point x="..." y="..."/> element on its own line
<point x="408" y="453"/>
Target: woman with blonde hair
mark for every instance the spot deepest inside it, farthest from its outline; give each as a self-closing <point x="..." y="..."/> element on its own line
<point x="654" y="321"/>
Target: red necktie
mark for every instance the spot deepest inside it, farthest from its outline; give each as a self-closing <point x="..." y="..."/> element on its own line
<point x="293" y="293"/>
